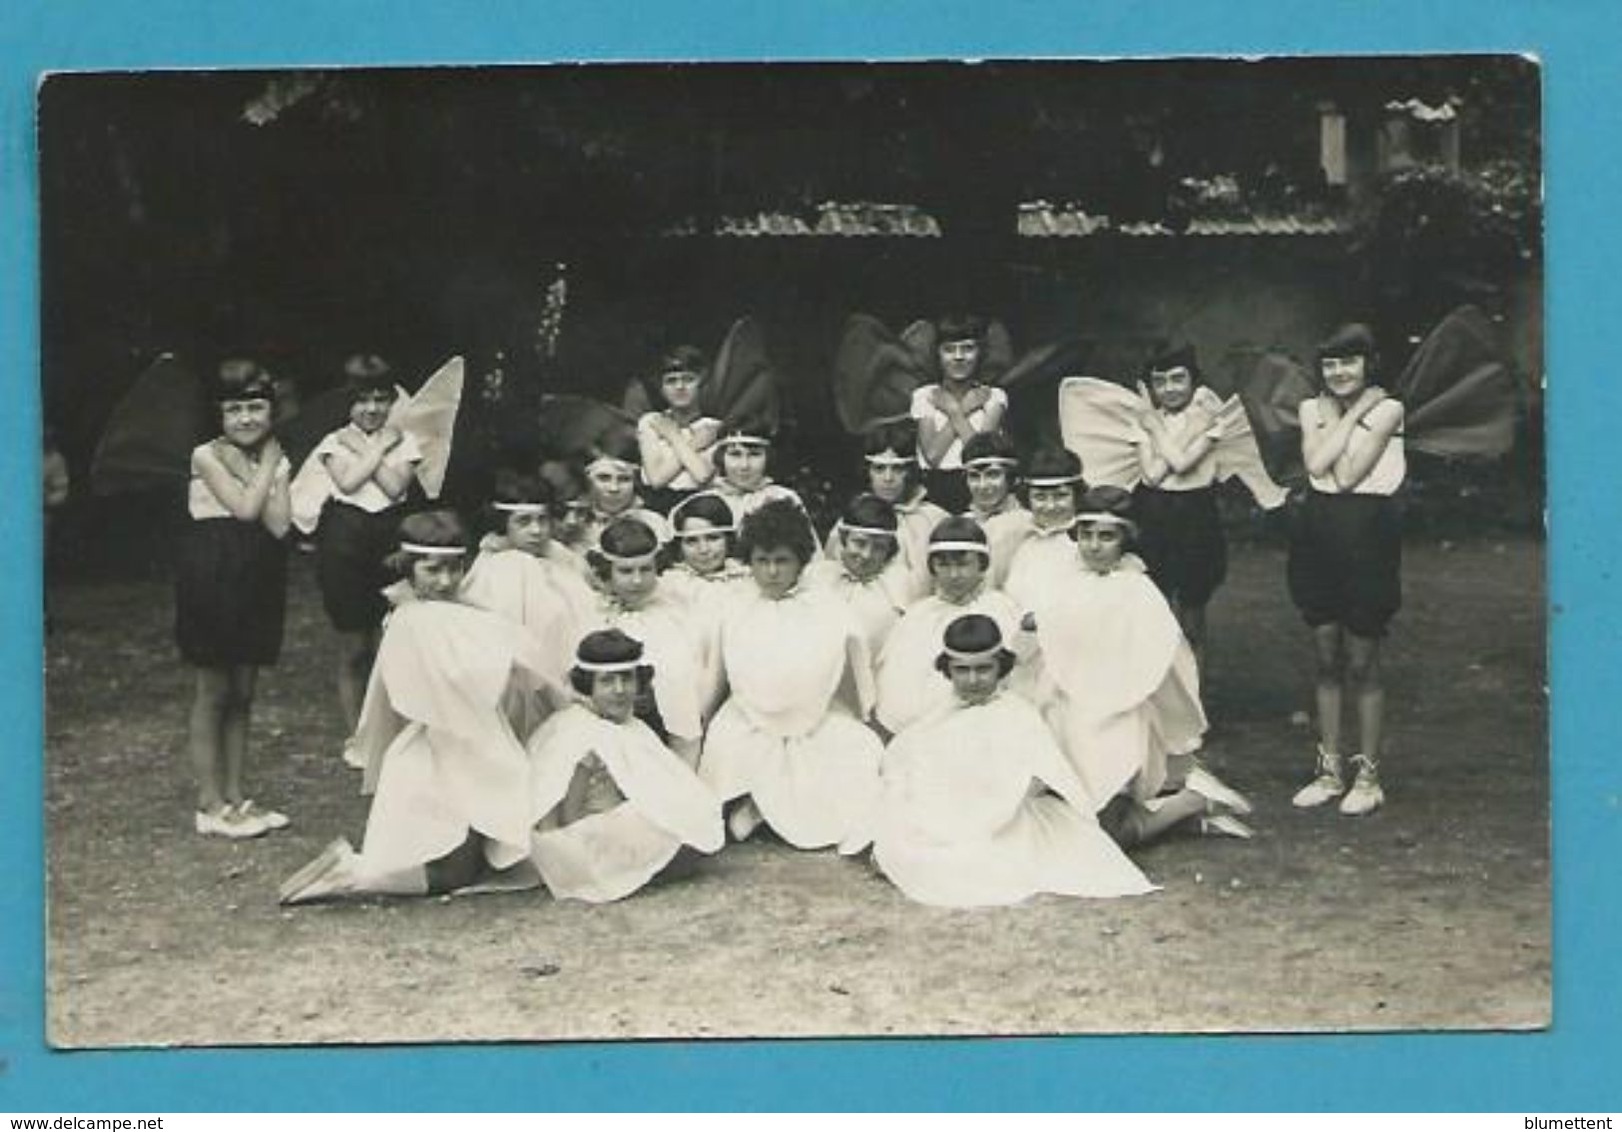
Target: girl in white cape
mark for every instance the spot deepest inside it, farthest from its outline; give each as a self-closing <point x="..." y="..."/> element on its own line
<point x="790" y="735"/>
<point x="979" y="806"/>
<point x="614" y="804"/>
<point x="1127" y="696"/>
<point x="449" y="779"/>
<point x="523" y="575"/>
<point x="868" y="569"/>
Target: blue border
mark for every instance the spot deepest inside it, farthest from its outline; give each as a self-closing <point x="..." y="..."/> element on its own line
<point x="1570" y="1068"/>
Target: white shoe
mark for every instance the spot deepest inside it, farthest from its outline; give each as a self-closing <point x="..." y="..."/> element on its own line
<point x="1327" y="786"/>
<point x="1365" y="796"/>
<point x="1213" y="789"/>
<point x="330" y="874"/>
<point x="1225" y="825"/>
<point x="270" y="819"/>
<point x="352" y="756"/>
<point x="744" y="820"/>
<point x="227" y="822"/>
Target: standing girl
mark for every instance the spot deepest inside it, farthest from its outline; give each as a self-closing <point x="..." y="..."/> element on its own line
<point x="614" y="804"/>
<point x="1346" y="558"/>
<point x="1181" y="537"/>
<point x="231" y="592"/>
<point x="450" y="781"/>
<point x="363" y="471"/>
<point x="677" y="442"/>
<point x="790" y="735"/>
<point x="953" y="411"/>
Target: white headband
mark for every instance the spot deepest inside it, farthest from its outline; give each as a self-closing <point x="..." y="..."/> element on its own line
<point x="1051" y="481"/>
<point x="432" y="551"/>
<point x="709" y="531"/>
<point x="628" y="557"/>
<point x="523" y="508"/>
<point x="610" y="461"/>
<point x="960" y="544"/>
<point x="745" y="438"/>
<point x="892" y="460"/>
<point x="608" y="665"/>
<point x="992" y="462"/>
<point x="847" y="528"/>
<point x="1104" y="517"/>
<point x="988" y="654"/>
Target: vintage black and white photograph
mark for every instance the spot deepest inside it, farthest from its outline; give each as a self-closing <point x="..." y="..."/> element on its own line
<point x="627" y="551"/>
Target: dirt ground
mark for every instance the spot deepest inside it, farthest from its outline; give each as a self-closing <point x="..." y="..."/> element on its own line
<point x="1432" y="913"/>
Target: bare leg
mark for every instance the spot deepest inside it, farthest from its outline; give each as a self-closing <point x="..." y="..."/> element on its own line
<point x="205" y="738"/>
<point x="1363" y="674"/>
<point x="1326" y="641"/>
<point x="1139" y="824"/>
<point x="355" y="653"/>
<point x="234" y="732"/>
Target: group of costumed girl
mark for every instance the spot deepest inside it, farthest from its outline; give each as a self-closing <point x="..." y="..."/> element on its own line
<point x="996" y="695"/>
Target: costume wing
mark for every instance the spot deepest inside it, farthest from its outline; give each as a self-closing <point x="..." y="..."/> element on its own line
<point x="571" y="425"/>
<point x="743" y="385"/>
<point x="875" y="373"/>
<point x="1271" y="388"/>
<point x="149" y="438"/>
<point x="1460" y="397"/>
<point x="1237" y="454"/>
<point x="1098" y="421"/>
<point x="429" y="417"/>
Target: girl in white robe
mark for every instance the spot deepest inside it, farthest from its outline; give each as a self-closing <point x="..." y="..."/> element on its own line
<point x="991" y="476"/>
<point x="742" y="457"/>
<point x="518" y="576"/>
<point x="705" y="576"/>
<point x="909" y="689"/>
<point x="893" y="474"/>
<point x="449" y="779"/>
<point x="1127" y="702"/>
<point x="979" y="806"/>
<point x="613" y="804"/>
<point x="867" y="570"/>
<point x="626" y="565"/>
<point x="790" y="735"/>
<point x="1046" y="556"/>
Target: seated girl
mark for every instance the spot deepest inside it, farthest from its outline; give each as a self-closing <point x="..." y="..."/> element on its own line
<point x="521" y="574"/>
<point x="610" y="477"/>
<point x="614" y="804"/>
<point x="990" y="476"/>
<point x="742" y="457"/>
<point x="704" y="577"/>
<point x="894" y="476"/>
<point x="979" y="805"/>
<point x="866" y="571"/>
<point x="1126" y="691"/>
<point x="1047" y="554"/>
<point x="449" y="779"/>
<point x="789" y="735"/>
<point x="627" y="570"/>
<point x="909" y="689"/>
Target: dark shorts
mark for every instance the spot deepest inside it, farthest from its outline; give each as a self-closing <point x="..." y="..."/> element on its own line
<point x="948" y="489"/>
<point x="351" y="545"/>
<point x="1180" y="539"/>
<point x="230" y="594"/>
<point x="1345" y="564"/>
